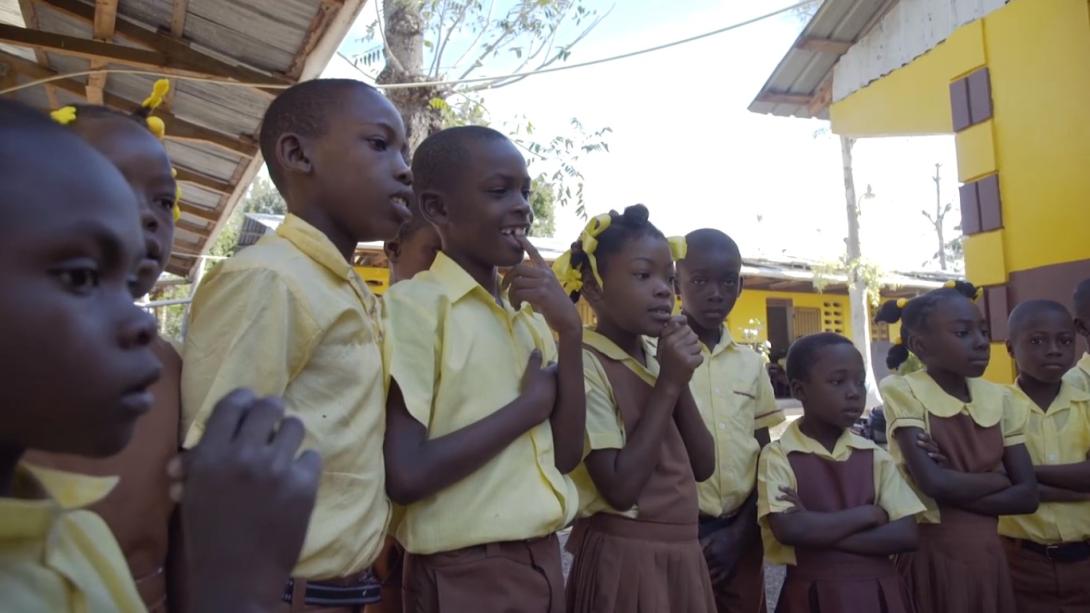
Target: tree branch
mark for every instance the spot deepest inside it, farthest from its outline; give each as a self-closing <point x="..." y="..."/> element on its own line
<point x="436" y="64"/>
<point x="480" y="34"/>
<point x="508" y="30"/>
<point x="390" y="57"/>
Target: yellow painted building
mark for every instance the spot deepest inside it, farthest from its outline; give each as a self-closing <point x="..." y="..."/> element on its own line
<point x="1011" y="81"/>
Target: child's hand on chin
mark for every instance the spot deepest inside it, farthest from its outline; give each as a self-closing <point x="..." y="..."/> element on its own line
<point x="245" y="501"/>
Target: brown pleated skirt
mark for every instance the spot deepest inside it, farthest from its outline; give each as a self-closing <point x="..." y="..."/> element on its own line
<point x="1042" y="585"/>
<point x="629" y="566"/>
<point x="959" y="566"/>
<point x="834" y="582"/>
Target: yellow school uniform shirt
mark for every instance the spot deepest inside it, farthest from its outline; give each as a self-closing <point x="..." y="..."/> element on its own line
<point x="605" y="427"/>
<point x="911" y="399"/>
<point x="732" y="389"/>
<point x="891" y="491"/>
<point x="458" y="357"/>
<point x="289" y="316"/>
<point x="1079" y="376"/>
<point x="1060" y="435"/>
<point x="56" y="557"/>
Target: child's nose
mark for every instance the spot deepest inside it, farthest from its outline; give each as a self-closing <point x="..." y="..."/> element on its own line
<point x="137" y="328"/>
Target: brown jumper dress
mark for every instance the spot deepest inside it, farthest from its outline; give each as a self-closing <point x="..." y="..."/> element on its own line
<point x="831" y="581"/>
<point x="653" y="564"/>
<point x="960" y="565"/>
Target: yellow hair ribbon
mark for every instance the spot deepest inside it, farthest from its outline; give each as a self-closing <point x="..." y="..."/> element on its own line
<point x="902" y="303"/>
<point x="979" y="293"/>
<point x="158" y="94"/>
<point x="157" y="127"/>
<point x="570" y="278"/>
<point x="64" y="115"/>
<point x="950" y="284"/>
<point x="177" y="196"/>
<point x="679" y="247"/>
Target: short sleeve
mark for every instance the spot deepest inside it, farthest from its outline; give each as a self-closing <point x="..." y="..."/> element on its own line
<point x="773" y="472"/>
<point x="902" y="408"/>
<point x="766" y="413"/>
<point x="895" y="495"/>
<point x="411" y="345"/>
<point x="1013" y="423"/>
<point x="248" y="329"/>
<point x="604" y="427"/>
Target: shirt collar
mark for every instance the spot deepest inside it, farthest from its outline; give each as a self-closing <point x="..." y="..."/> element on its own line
<point x="63" y="491"/>
<point x="1063" y="401"/>
<point x="985" y="406"/>
<point x="726" y="342"/>
<point x="1084" y="363"/>
<point x="794" y="439"/>
<point x="649" y="372"/>
<point x="457" y="283"/>
<point x="316" y="245"/>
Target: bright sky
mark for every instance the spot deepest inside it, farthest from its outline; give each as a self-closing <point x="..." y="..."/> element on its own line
<point x="684" y="143"/>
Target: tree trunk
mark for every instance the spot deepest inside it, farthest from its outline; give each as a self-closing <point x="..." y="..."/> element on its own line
<point x="857" y="291"/>
<point x="404" y="30"/>
<point x="939" y="216"/>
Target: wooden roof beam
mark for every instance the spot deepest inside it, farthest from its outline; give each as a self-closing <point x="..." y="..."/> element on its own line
<point x="175" y="50"/>
<point x="103" y="30"/>
<point x="782" y="98"/>
<point x="186" y="175"/>
<point x="30" y="19"/>
<point x="75" y="46"/>
<point x="178" y="11"/>
<point x="199" y="212"/>
<point x="195" y="228"/>
<point x="824" y="45"/>
<point x="177" y="129"/>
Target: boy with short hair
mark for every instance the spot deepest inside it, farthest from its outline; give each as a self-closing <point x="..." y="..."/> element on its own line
<point x="1079" y="376"/>
<point x="289" y="316"/>
<point x="733" y="391"/>
<point x="480" y="437"/>
<point x="78" y="366"/>
<point x="1049" y="550"/>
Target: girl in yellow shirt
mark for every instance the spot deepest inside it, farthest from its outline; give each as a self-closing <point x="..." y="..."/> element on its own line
<point x="977" y="434"/>
<point x="635" y="543"/>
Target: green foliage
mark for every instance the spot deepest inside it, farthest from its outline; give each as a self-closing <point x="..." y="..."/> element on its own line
<point x="869" y="273"/>
<point x="263" y="197"/>
<point x="542" y="201"/>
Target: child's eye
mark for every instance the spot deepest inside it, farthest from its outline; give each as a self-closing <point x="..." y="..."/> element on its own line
<point x="642" y="276"/>
<point x="378" y="143"/>
<point x="526" y="194"/>
<point x="78" y="279"/>
<point x="961" y="333"/>
<point x="698" y="281"/>
<point x="166" y="203"/>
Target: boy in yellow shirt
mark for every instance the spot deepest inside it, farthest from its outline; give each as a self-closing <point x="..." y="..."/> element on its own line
<point x="480" y="437"/>
<point x="1049" y="551"/>
<point x="78" y="364"/>
<point x="289" y="316"/>
<point x="735" y="397"/>
<point x="1079" y="376"/>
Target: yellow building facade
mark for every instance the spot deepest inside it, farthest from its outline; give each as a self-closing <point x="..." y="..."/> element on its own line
<point x="1012" y="84"/>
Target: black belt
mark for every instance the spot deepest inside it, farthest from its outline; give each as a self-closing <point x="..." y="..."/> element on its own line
<point x="1061" y="552"/>
<point x="362" y="590"/>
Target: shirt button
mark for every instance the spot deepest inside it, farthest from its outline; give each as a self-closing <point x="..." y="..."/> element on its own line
<point x="722" y="426"/>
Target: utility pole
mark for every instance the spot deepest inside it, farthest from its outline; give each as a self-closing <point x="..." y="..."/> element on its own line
<point x="857" y="291"/>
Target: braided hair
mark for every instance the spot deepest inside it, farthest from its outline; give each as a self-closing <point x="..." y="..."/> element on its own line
<point x="913" y="315"/>
<point x="633" y="223"/>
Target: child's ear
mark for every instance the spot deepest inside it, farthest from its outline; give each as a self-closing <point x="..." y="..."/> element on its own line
<point x="1082" y="328"/>
<point x="392" y="249"/>
<point x="433" y="208"/>
<point x="741" y="285"/>
<point x="798" y="390"/>
<point x="1010" y="348"/>
<point x="917" y="346"/>
<point x="291" y="154"/>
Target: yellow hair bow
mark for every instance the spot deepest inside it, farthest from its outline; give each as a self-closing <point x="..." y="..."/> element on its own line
<point x="679" y="247"/>
<point x="571" y="278"/>
<point x="64" y="115"/>
<point x="158" y="94"/>
<point x="177" y="211"/>
<point x="902" y="303"/>
<point x="157" y="127"/>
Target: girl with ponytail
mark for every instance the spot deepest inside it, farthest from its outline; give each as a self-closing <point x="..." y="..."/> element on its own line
<point x="960" y="441"/>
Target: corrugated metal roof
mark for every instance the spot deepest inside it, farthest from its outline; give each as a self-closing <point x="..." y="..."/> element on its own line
<point x="211" y="127"/>
<point x="800" y="85"/>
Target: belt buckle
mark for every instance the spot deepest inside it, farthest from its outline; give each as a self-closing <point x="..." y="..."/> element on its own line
<point x="1050" y="550"/>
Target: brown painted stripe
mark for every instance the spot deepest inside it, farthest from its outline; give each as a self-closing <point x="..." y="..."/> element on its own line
<point x="970" y="209"/>
<point x="959" y="104"/>
<point x="980" y="96"/>
<point x="991" y="210"/>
